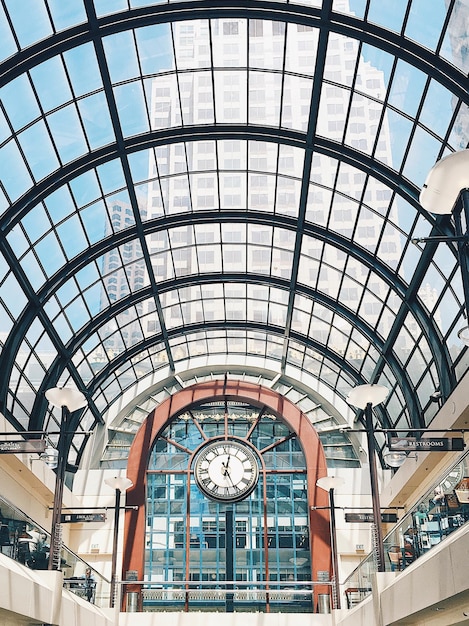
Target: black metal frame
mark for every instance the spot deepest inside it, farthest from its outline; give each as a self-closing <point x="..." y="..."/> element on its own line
<point x="326" y="21"/>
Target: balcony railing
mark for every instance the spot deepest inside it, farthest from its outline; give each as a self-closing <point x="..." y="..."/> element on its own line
<point x="430" y="521"/>
<point x="28" y="543"/>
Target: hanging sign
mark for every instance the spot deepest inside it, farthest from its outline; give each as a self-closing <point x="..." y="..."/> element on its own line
<point x="18" y="446"/>
<point x="428" y="444"/>
<point x="78" y="518"/>
<point x="386" y="518"/>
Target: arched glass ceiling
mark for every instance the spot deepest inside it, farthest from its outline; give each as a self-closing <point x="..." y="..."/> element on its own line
<point x="230" y="186"/>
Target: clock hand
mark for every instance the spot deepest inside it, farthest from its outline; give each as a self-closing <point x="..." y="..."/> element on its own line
<point x="227" y="475"/>
<point x="225" y="469"/>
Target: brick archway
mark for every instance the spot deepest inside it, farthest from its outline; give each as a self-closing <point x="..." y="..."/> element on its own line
<point x="256" y="395"/>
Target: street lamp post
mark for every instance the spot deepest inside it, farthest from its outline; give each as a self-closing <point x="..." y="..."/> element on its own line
<point x="68" y="400"/>
<point x="329" y="483"/>
<point x="366" y="397"/>
<point x="119" y="484"/>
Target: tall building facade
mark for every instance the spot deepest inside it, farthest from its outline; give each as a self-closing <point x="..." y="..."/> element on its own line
<point x="238" y="175"/>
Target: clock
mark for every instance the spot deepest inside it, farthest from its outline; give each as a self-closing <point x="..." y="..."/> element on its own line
<point x="226" y="470"/>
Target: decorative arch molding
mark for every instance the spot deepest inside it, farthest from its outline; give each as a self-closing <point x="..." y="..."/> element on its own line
<point x="258" y="396"/>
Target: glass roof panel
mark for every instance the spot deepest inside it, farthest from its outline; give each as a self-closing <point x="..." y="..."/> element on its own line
<point x="387" y="14"/>
<point x="29" y="25"/>
<point x="246" y="188"/>
<point x="454" y="45"/>
<point x="420" y="28"/>
<point x="82" y="69"/>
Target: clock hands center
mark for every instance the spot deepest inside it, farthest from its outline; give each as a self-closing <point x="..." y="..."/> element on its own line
<point x="225" y="469"/>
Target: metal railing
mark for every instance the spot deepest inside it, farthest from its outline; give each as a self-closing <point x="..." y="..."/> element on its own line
<point x="227" y="596"/>
<point x="25" y="541"/>
<point x="429" y="522"/>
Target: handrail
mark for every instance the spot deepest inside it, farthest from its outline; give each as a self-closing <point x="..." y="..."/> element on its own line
<point x="27" y="542"/>
<point x="430" y="520"/>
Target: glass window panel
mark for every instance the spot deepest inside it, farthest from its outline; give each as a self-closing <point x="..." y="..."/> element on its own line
<point x="83" y="69"/>
<point x="4" y="128"/>
<point x="121" y="56"/>
<point x="85" y="188"/>
<point x="50" y="254"/>
<point x="51" y="84"/>
<point x="30" y="21"/>
<point x="382" y="63"/>
<point x="105" y="7"/>
<point x="111" y="176"/>
<point x="459" y="137"/>
<point x="438" y="109"/>
<point x="18" y="241"/>
<point x="231" y="97"/>
<point x="454" y="47"/>
<point x="33" y="270"/>
<point x="301" y="49"/>
<point x="7" y="42"/>
<point x="192" y="46"/>
<point x="67" y="132"/>
<point x="154" y="59"/>
<point x="132" y="110"/>
<point x="67" y="14"/>
<point x="447" y="311"/>
<point x="38" y="150"/>
<point x="36" y="223"/>
<point x="96" y="120"/>
<point x="19" y="90"/>
<point x="333" y="107"/>
<point x="293" y="114"/>
<point x="420" y="28"/>
<point x="77" y="314"/>
<point x="229" y="42"/>
<point x="72" y="236"/>
<point x="59" y="204"/>
<point x="337" y="69"/>
<point x="96" y="221"/>
<point x="15" y="176"/>
<point x="361" y="131"/>
<point x="267" y="51"/>
<point x="400" y="129"/>
<point x="387" y="13"/>
<point x="139" y="164"/>
<point x="407" y="88"/>
<point x="423" y="154"/>
<point x="264" y="98"/>
<point x="12" y="295"/>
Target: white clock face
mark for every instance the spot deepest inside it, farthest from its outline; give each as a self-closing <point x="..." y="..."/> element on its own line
<point x="226" y="471"/>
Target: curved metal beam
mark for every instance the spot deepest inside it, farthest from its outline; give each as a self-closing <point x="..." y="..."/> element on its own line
<point x="38" y="299"/>
<point x="377" y="169"/>
<point x="367" y="330"/>
<point x="375" y="35"/>
<point x="13" y="342"/>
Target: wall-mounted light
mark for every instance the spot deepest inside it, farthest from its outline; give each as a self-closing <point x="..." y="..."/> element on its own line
<point x="50" y="457"/>
<point x="394" y="458"/>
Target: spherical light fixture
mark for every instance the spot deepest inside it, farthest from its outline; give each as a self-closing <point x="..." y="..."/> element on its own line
<point x="394" y="458"/>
